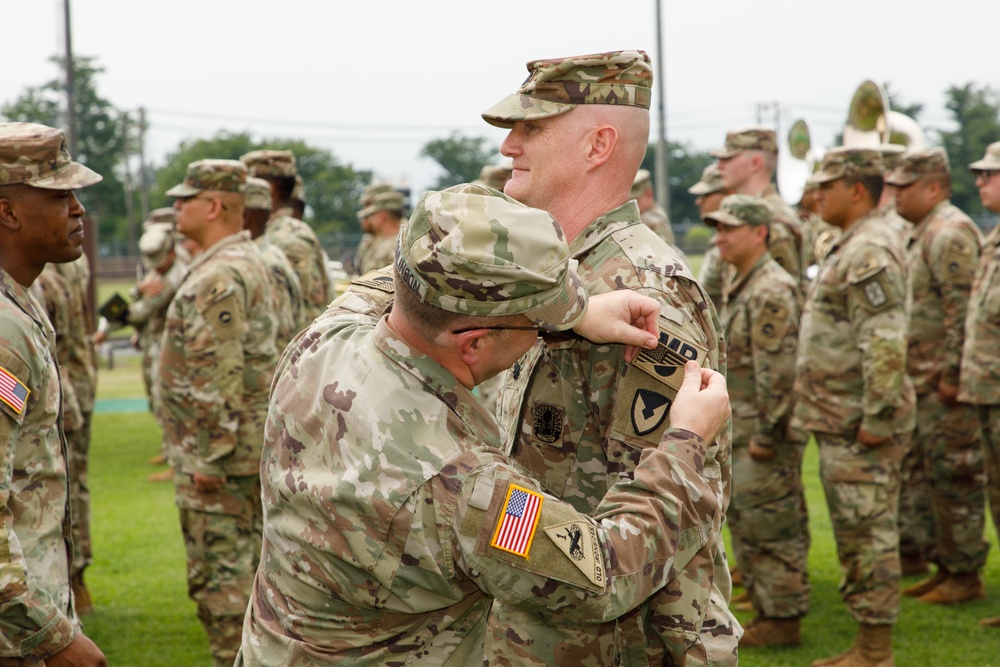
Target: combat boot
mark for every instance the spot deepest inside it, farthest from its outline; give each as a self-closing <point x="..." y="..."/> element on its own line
<point x="991" y="622"/>
<point x="872" y="648"/>
<point x="162" y="476"/>
<point x="926" y="585"/>
<point x="764" y="631"/>
<point x="957" y="588"/>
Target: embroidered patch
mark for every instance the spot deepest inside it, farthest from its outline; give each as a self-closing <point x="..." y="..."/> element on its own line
<point x="547" y="422"/>
<point x="225" y="318"/>
<point x="578" y="540"/>
<point x="771" y="325"/>
<point x="13" y="392"/>
<point x="378" y="280"/>
<point x="649" y="409"/>
<point x="666" y="361"/>
<point x="516" y="526"/>
<point x="874" y="294"/>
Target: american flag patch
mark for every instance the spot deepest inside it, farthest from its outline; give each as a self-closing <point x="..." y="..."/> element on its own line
<point x="12" y="391"/>
<point x="516" y="526"/>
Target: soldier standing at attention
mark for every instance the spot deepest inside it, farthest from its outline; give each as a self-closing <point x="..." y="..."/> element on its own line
<point x="854" y="395"/>
<point x="709" y="193"/>
<point x="383" y="218"/>
<point x="760" y="318"/>
<point x="979" y="382"/>
<point x="747" y="162"/>
<point x="40" y="222"/>
<point x="942" y="507"/>
<point x="294" y="237"/>
<point x="391" y="515"/>
<point x="651" y="213"/>
<point x="216" y="364"/>
<point x="578" y="415"/>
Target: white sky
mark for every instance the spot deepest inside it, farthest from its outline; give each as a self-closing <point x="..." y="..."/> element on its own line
<point x="375" y="80"/>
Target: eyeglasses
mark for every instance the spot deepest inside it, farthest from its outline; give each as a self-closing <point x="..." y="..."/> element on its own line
<point x="187" y="199"/>
<point x="496" y="328"/>
<point x="985" y="175"/>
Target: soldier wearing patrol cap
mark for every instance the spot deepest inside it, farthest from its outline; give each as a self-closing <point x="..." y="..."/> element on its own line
<point x="709" y="193"/>
<point x="370" y="481"/>
<point x="578" y="415"/>
<point x="295" y="238"/>
<point x="495" y="175"/>
<point x="942" y="503"/>
<point x="747" y="162"/>
<point x="979" y="382"/>
<point x="383" y="217"/>
<point x="652" y="214"/>
<point x="40" y="222"/>
<point x="760" y="317"/>
<point x="854" y="395"/>
<point x="364" y="201"/>
<point x="216" y="363"/>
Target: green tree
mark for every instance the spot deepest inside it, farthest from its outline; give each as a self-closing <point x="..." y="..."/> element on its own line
<point x="462" y="158"/>
<point x="100" y="142"/>
<point x="977" y="113"/>
<point x="332" y="188"/>
<point x="685" y="170"/>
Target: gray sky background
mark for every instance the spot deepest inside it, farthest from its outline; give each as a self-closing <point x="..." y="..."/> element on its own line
<point x="375" y="80"/>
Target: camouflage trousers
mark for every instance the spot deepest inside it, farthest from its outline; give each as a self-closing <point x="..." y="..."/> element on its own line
<point x="989" y="420"/>
<point x="862" y="493"/>
<point x="942" y="504"/>
<point x="222" y="536"/>
<point x="78" y="444"/>
<point x="151" y="379"/>
<point x="771" y="538"/>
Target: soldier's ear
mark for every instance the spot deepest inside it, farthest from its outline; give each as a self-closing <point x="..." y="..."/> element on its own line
<point x="473" y="346"/>
<point x="8" y="214"/>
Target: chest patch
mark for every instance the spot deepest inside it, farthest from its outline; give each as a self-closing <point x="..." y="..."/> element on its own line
<point x="547" y="422"/>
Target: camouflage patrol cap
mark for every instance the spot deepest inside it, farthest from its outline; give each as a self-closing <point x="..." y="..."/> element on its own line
<point x="373" y="189"/>
<point x="155" y="244"/>
<point x="643" y="181"/>
<point x="476" y="251"/>
<point x="385" y="201"/>
<point x="495" y="175"/>
<point x="890" y="154"/>
<point x="711" y="181"/>
<point x="848" y="162"/>
<point x="36" y="155"/>
<point x="739" y="210"/>
<point x="166" y="215"/>
<point x="747" y="139"/>
<point x="299" y="191"/>
<point x="914" y="165"/>
<point x="270" y="163"/>
<point x="258" y="194"/>
<point x="211" y="176"/>
<point x="991" y="161"/>
<point x="558" y="85"/>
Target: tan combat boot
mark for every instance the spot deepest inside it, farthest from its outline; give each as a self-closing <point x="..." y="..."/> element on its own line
<point x="925" y="585"/>
<point x="957" y="588"/>
<point x="162" y="476"/>
<point x="764" y="631"/>
<point x="990" y="622"/>
<point x="872" y="648"/>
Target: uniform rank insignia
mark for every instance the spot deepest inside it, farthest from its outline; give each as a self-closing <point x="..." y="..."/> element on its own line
<point x="649" y="409"/>
<point x="516" y="526"/>
<point x="13" y="392"/>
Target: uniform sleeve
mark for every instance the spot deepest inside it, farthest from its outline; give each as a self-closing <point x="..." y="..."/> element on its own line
<point x="143" y="308"/>
<point x="954" y="257"/>
<point x="774" y="321"/>
<point x="876" y="304"/>
<point x="535" y="552"/>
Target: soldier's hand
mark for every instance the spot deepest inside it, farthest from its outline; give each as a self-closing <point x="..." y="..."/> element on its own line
<point x="947" y="393"/>
<point x="150" y="287"/>
<point x="869" y="440"/>
<point x="702" y="403"/>
<point x="622" y="317"/>
<point x="207" y="484"/>
<point x="758" y="453"/>
<point x="81" y="652"/>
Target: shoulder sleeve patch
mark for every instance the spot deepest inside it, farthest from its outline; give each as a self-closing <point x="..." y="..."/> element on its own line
<point x="957" y="263"/>
<point x="874" y="289"/>
<point x="783" y="252"/>
<point x="225" y="318"/>
<point x="771" y="326"/>
<point x="579" y="541"/>
<point x="516" y="525"/>
<point x="14" y="392"/>
<point x="675" y="348"/>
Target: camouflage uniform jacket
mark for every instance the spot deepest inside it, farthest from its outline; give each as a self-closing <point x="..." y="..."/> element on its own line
<point x="895" y="221"/>
<point x="980" y="376"/>
<point x="52" y="292"/>
<point x="81" y="359"/>
<point x="306" y="255"/>
<point x="579" y="417"/>
<point x="760" y="319"/>
<point x="217" y="360"/>
<point x="657" y="220"/>
<point x="383" y="486"/>
<point x="785" y="242"/>
<point x="148" y="314"/>
<point x="851" y="366"/>
<point x="380" y="253"/>
<point x="36" y="610"/>
<point x="286" y="291"/>
<point x="943" y="251"/>
<point x="362" y="251"/>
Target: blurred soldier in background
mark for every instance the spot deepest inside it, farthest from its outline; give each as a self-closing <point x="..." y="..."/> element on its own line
<point x="383" y="217"/>
<point x="494" y="176"/>
<point x="942" y="507"/>
<point x="371" y="190"/>
<point x="853" y="394"/>
<point x="814" y="228"/>
<point x="651" y="213"/>
<point x="709" y="193"/>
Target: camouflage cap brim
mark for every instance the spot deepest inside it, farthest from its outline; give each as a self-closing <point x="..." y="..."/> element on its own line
<point x="720" y="217"/>
<point x="566" y="311"/>
<point x="69" y="177"/>
<point x="901" y="178"/>
<point x="700" y="188"/>
<point x="183" y="190"/>
<point x="988" y="163"/>
<point x="820" y="177"/>
<point x="517" y="107"/>
<point x="724" y="153"/>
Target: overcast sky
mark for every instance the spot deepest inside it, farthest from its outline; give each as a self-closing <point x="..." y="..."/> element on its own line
<point x="375" y="80"/>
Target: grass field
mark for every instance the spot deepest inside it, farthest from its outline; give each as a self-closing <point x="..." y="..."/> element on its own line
<point x="143" y="617"/>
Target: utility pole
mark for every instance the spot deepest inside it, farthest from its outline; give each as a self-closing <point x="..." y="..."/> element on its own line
<point x="127" y="183"/>
<point x="143" y="181"/>
<point x="70" y="84"/>
<point x="662" y="151"/>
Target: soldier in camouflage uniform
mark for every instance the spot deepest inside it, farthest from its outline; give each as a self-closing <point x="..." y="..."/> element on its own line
<point x="383" y="217"/>
<point x="942" y="504"/>
<point x="760" y="318"/>
<point x="979" y="378"/>
<point x="495" y="176"/>
<point x="294" y="237"/>
<point x="747" y="162"/>
<point x="286" y="291"/>
<point x="854" y="395"/>
<point x="651" y="213"/>
<point x="369" y="194"/>
<point x="216" y="364"/>
<point x="813" y="228"/>
<point x="578" y="415"/>
<point x="392" y="516"/>
<point x="709" y="193"/>
<point x="887" y="202"/>
<point x="40" y="221"/>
